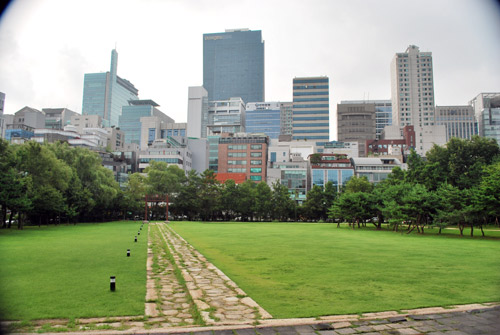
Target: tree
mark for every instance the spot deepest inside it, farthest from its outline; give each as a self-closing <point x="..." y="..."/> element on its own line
<point x="282" y="204"/>
<point x="314" y="206"/>
<point x="187" y="200"/>
<point x="245" y="202"/>
<point x="229" y="199"/>
<point x="358" y="184"/>
<point x="163" y="180"/>
<point x="263" y="201"/>
<point x="209" y="195"/>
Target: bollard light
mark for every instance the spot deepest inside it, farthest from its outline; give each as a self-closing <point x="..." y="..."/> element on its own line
<point x="128" y="252"/>
<point x="112" y="283"/>
<point x="138" y="233"/>
<point x="135" y="239"/>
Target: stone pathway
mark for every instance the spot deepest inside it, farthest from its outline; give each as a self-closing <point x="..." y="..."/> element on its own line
<point x="218" y="299"/>
<point x="167" y="300"/>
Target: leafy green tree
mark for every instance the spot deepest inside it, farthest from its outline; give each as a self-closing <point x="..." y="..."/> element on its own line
<point x="283" y="205"/>
<point x="209" y="195"/>
<point x="314" y="206"/>
<point x="358" y="184"/>
<point x="229" y="199"/>
<point x="263" y="201"/>
<point x="187" y="200"/>
<point x="489" y="190"/>
<point x="329" y="196"/>
<point x="245" y="202"/>
<point x="163" y="179"/>
<point x="50" y="179"/>
<point x="135" y="194"/>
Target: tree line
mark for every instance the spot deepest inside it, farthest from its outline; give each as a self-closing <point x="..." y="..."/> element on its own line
<point x="458" y="184"/>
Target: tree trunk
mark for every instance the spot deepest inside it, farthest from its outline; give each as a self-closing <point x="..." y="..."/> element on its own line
<point x="461" y="228"/>
<point x="471" y="230"/>
<point x="4" y="216"/>
<point x="20" y="221"/>
<point x="482" y="231"/>
<point x="422" y="228"/>
<point x="411" y="229"/>
<point x="440" y="230"/>
<point x="338" y="224"/>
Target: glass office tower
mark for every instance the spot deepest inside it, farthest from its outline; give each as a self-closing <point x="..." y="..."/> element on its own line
<point x="311" y="110"/>
<point x="233" y="65"/>
<point x="105" y="94"/>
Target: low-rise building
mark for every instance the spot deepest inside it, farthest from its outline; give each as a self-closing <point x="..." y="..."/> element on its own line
<point x="335" y="168"/>
<point x="375" y="169"/>
<point x="243" y="153"/>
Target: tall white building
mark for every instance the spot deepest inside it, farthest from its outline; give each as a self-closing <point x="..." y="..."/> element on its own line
<point x="412" y="95"/>
<point x="412" y="88"/>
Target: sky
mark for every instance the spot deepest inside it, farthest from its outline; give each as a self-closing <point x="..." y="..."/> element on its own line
<point x="46" y="46"/>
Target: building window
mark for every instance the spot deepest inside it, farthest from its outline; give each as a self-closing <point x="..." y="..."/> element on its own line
<point x="259" y="162"/>
<point x="256" y="146"/>
<point x="256" y="170"/>
<point x="256" y="178"/>
<point x="257" y="154"/>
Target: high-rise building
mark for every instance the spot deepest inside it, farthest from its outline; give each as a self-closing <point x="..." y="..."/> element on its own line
<point x="197" y="118"/>
<point x="412" y="94"/>
<point x="412" y="88"/>
<point x="311" y="110"/>
<point x="458" y="120"/>
<point x="105" y="94"/>
<point x="487" y="110"/>
<point x="356" y="121"/>
<point x="286" y="118"/>
<point x="233" y="65"/>
<point x="263" y="117"/>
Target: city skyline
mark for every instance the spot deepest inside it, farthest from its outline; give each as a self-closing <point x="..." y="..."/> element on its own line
<point x="51" y="44"/>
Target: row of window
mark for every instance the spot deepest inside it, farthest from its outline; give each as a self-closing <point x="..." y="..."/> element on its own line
<point x="244" y="154"/>
<point x="244" y="147"/>
<point x="244" y="162"/>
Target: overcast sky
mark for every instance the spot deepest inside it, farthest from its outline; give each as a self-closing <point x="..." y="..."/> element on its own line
<point x="46" y="46"/>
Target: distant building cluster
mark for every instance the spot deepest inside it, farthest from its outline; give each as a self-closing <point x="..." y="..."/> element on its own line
<point x="232" y="130"/>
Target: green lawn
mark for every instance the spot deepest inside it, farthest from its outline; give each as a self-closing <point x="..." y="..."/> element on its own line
<point x="302" y="270"/>
<point x="63" y="272"/>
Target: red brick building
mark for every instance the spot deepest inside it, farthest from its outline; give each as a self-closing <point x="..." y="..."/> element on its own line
<point x="241" y="153"/>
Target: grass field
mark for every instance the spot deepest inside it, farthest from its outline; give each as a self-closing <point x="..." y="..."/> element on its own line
<point x="301" y="270"/>
<point x="63" y="272"/>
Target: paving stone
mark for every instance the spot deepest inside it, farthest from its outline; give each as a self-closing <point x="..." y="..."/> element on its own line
<point x="326" y="332"/>
<point x="407" y="331"/>
<point x="338" y="325"/>
<point x="380" y="327"/>
<point x="397" y="319"/>
<point x="425" y="329"/>
<point x="364" y="329"/>
<point x="346" y="331"/>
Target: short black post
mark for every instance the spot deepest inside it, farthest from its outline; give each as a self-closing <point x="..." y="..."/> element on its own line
<point x="112" y="283"/>
<point x="138" y="233"/>
<point x="135" y="239"/>
<point x="128" y="252"/>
